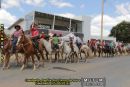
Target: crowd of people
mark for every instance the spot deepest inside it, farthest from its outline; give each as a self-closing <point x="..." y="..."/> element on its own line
<point x="56" y="43"/>
<point x="95" y="43"/>
<point x="56" y="39"/>
<point x="35" y="35"/>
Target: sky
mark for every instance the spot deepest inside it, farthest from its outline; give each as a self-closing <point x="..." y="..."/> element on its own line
<point x="115" y="11"/>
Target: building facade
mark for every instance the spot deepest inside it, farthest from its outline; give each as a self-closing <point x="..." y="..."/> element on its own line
<point x="56" y="24"/>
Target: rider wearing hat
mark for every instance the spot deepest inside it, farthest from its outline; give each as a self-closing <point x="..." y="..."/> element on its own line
<point x="43" y="35"/>
<point x="18" y="31"/>
<point x="34" y="34"/>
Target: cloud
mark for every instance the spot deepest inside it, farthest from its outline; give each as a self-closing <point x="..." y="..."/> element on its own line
<point x="68" y="15"/>
<point x="96" y="31"/>
<point x="82" y="6"/>
<point x="6" y="4"/>
<point x="123" y="9"/>
<point x="60" y="3"/>
<point x="109" y="22"/>
<point x="10" y="3"/>
<point x="6" y="18"/>
<point x="35" y="2"/>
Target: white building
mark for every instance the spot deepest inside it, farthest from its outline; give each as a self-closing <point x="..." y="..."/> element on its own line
<point x="51" y="23"/>
<point x="81" y="26"/>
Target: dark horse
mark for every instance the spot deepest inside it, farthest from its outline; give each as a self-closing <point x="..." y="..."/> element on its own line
<point x="27" y="46"/>
<point x="108" y="51"/>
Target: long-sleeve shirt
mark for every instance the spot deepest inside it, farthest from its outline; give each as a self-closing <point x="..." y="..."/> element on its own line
<point x="17" y="33"/>
<point x="34" y="32"/>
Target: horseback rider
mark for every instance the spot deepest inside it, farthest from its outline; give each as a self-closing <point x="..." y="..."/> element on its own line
<point x="111" y="44"/>
<point x="71" y="43"/>
<point x="34" y="33"/>
<point x="79" y="42"/>
<point x="55" y="42"/>
<point x="103" y="44"/>
<point x="18" y="31"/>
<point x="42" y="35"/>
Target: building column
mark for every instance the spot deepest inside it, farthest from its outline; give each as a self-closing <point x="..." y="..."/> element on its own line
<point x="70" y="25"/>
<point x="53" y="25"/>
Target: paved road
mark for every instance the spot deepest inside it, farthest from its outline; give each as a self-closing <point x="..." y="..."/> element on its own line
<point x="116" y="71"/>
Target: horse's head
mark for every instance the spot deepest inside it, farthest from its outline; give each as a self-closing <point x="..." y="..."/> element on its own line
<point x="21" y="40"/>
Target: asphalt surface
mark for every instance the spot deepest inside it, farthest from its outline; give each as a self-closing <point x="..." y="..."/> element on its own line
<point x="115" y="70"/>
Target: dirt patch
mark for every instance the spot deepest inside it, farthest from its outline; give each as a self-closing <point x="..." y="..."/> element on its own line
<point x="62" y="68"/>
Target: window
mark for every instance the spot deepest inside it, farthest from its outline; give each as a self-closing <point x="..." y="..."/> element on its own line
<point x="44" y="26"/>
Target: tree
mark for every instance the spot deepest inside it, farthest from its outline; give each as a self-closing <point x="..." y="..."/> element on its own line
<point x="121" y="31"/>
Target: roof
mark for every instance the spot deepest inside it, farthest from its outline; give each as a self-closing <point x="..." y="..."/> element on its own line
<point x="51" y="16"/>
<point x="15" y="23"/>
<point x="48" y="15"/>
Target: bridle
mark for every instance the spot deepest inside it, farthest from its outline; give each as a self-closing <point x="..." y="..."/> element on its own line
<point x="23" y="45"/>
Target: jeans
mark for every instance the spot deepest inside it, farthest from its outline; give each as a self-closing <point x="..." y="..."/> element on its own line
<point x="14" y="42"/>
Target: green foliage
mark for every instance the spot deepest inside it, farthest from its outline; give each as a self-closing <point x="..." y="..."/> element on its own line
<point x="121" y="31"/>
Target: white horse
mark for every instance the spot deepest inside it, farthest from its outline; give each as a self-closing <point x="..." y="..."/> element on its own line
<point x="48" y="48"/>
<point x="86" y="51"/>
<point x="67" y="53"/>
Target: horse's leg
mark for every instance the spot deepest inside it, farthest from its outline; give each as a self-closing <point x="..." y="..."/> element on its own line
<point x="77" y="57"/>
<point x="24" y="62"/>
<point x="99" y="53"/>
<point x="6" y="61"/>
<point x="47" y="55"/>
<point x="56" y="56"/>
<point x="41" y="52"/>
<point x="72" y="57"/>
<point x="38" y="58"/>
<point x="86" y="56"/>
<point x="66" y="57"/>
<point x="80" y="54"/>
<point x="34" y="66"/>
<point x="50" y="56"/>
<point x="16" y="56"/>
<point x="62" y="55"/>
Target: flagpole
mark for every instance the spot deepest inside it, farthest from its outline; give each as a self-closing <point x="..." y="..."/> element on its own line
<point x="102" y="14"/>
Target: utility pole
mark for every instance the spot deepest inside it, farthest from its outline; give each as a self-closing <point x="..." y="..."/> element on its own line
<point x="102" y="14"/>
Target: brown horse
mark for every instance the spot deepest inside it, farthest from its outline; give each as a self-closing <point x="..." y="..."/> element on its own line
<point x="26" y="44"/>
<point x="6" y="52"/>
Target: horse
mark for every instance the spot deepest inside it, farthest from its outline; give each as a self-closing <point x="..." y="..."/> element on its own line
<point x="28" y="48"/>
<point x="67" y="53"/>
<point x="5" y="52"/>
<point x="94" y="50"/>
<point x="49" y="51"/>
<point x="65" y="50"/>
<point x="86" y="51"/>
<point x="108" y="51"/>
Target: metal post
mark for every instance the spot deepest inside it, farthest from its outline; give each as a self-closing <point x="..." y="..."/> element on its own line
<point x="102" y="20"/>
<point x="0" y="4"/>
<point x="70" y="26"/>
<point x="53" y="25"/>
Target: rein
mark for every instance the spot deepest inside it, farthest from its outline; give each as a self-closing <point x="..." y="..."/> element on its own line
<point x="23" y="46"/>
